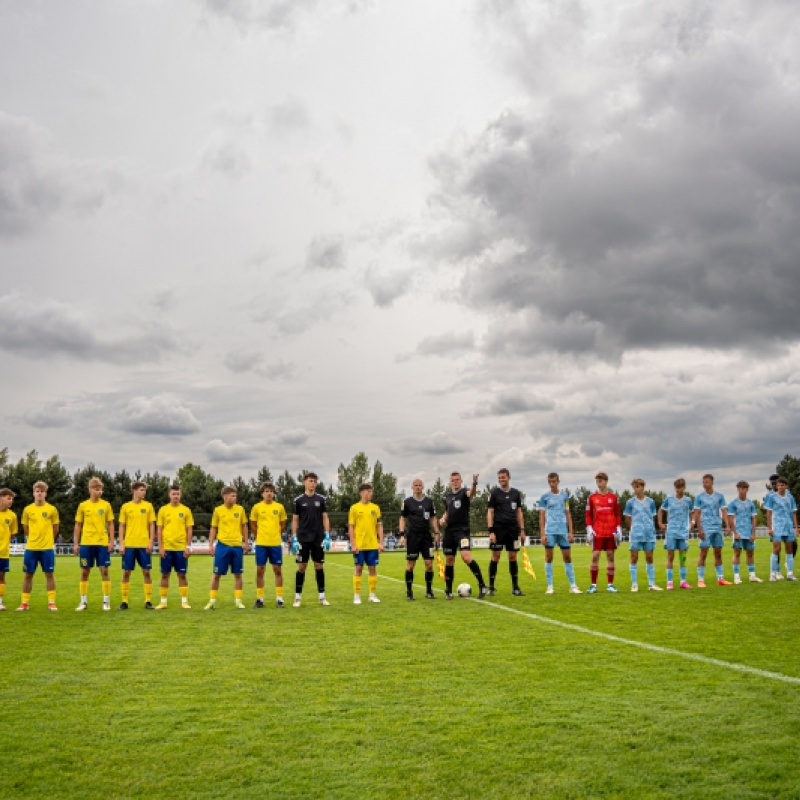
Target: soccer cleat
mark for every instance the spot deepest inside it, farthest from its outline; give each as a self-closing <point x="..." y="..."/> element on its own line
<point x="23" y="607"/>
<point x="549" y="590"/>
<point x="149" y="606"/>
<point x="635" y="587"/>
<point x="323" y="602"/>
<point x="2" y="607"/>
<point x="670" y="587"/>
<point x="612" y="588"/>
<point x="209" y="606"/>
<point x="574" y="589"/>
<point x="737" y="579"/>
<point x="685" y="585"/>
<point x="430" y="596"/>
<point x="161" y="606"/>
<point x="184" y="604"/>
<point x="296" y="603"/>
<point x="106" y="606"/>
<point x="754" y="578"/>
<point x="373" y="598"/>
<point x="356" y="599"/>
<point x="723" y="582"/>
<point x="778" y="576"/>
<point x="409" y="597"/>
<point x="123" y="606"/>
<point x="81" y="607"/>
<point x="448" y="595"/>
<point x="518" y="592"/>
<point x="259" y="603"/>
<point x="239" y="603"/>
<point x="654" y="588"/>
<point x="592" y="589"/>
<point x="52" y="607"/>
<point x="772" y="577"/>
<point x="790" y="577"/>
<point x="279" y="602"/>
<point x="492" y="591"/>
<point x="482" y="592"/>
<point x="701" y="584"/>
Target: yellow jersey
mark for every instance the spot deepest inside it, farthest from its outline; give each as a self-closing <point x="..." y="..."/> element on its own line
<point x="136" y="517"/>
<point x="228" y="522"/>
<point x="174" y="522"/>
<point x="365" y="518"/>
<point x="268" y="519"/>
<point x="8" y="528"/>
<point x="94" y="517"/>
<point x="40" y="521"/>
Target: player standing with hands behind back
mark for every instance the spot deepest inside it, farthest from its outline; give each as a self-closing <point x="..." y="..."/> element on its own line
<point x="506" y="529"/>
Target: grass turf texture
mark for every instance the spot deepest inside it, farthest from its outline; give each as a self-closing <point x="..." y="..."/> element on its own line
<point x="426" y="699"/>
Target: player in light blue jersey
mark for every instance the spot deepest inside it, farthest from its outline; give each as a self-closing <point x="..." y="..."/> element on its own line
<point x="678" y="528"/>
<point x="773" y="484"/>
<point x="782" y="526"/>
<point x="709" y="517"/>
<point x="639" y="513"/>
<point x="555" y="524"/>
<point x="742" y="515"/>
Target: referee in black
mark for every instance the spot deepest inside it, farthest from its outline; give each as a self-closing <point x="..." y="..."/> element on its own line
<point x="456" y="534"/>
<point x="506" y="529"/>
<point x="310" y="522"/>
<point x="420" y="516"/>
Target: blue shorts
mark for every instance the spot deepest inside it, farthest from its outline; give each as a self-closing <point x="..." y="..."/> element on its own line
<point x="269" y="555"/>
<point x="674" y="543"/>
<point x="134" y="556"/>
<point x="557" y="540"/>
<point x="784" y="536"/>
<point x="94" y="555"/>
<point x="46" y="559"/>
<point x="4" y="564"/>
<point x="174" y="559"/>
<point x="638" y="544"/>
<point x="714" y="539"/>
<point x="228" y="556"/>
<point x="368" y="557"/>
<point x="744" y="544"/>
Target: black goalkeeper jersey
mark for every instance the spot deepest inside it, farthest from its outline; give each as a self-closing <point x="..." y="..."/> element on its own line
<point x="419" y="514"/>
<point x="309" y="510"/>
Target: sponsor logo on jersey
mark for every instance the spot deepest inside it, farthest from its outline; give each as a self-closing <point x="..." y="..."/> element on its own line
<point x="426" y="514"/>
<point x="513" y="506"/>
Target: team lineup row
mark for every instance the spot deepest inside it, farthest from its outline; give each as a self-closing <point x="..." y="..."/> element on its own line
<point x="141" y="531"/>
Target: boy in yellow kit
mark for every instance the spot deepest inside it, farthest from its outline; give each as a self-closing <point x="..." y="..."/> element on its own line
<point x="137" y="530"/>
<point x="40" y="522"/>
<point x="174" y="526"/>
<point x="366" y="541"/>
<point x="228" y="542"/>
<point x="267" y="524"/>
<point x="8" y="528"/>
<point x="93" y="540"/>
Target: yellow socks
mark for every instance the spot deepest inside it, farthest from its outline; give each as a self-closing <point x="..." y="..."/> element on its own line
<point x="373" y="583"/>
<point x="356" y="584"/>
<point x="237" y="593"/>
<point x="148" y="592"/>
<point x="106" y="589"/>
<point x="184" y="590"/>
<point x="26" y="598"/>
<point x="260" y="592"/>
<point x="84" y="589"/>
<point x="51" y="597"/>
<point x="279" y="591"/>
<point x="126" y="591"/>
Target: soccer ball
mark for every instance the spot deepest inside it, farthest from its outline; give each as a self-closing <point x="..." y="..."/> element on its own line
<point x="464" y="590"/>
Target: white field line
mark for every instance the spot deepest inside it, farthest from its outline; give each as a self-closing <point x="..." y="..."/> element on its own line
<point x="610" y="637"/>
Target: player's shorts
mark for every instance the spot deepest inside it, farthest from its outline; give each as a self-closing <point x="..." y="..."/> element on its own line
<point x="46" y="559"/>
<point x="227" y="556"/>
<point x="744" y="544"/>
<point x="174" y="559"/>
<point x="4" y="565"/>
<point x="713" y="539"/>
<point x="419" y="544"/>
<point x="640" y="544"/>
<point x="134" y="556"/>
<point x="368" y="557"/>
<point x="94" y="555"/>
<point x="454" y="541"/>
<point x="603" y="543"/>
<point x="784" y="536"/>
<point x="675" y="542"/>
<point x="313" y="551"/>
<point x="266" y="554"/>
<point x="557" y="540"/>
<point x="505" y="539"/>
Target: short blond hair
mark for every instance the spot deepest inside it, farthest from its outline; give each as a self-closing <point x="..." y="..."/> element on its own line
<point x="95" y="483"/>
<point x="40" y="485"/>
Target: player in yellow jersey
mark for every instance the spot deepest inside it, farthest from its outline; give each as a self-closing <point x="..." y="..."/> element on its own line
<point x="228" y="541"/>
<point x="174" y="527"/>
<point x="8" y="528"/>
<point x="137" y="530"/>
<point x="40" y="522"/>
<point x="366" y="541"/>
<point x="93" y="540"/>
<point x="267" y="524"/>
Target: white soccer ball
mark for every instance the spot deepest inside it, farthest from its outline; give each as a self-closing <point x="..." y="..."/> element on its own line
<point x="464" y="590"/>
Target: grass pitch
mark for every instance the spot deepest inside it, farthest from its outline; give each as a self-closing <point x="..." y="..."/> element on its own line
<point x="430" y="699"/>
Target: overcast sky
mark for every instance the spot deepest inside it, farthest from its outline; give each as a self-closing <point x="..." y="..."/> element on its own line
<point x="542" y="235"/>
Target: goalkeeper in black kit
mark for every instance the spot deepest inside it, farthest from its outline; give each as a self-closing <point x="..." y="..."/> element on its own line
<point x="417" y="519"/>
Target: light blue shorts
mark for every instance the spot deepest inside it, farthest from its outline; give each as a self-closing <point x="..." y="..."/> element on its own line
<point x="713" y="539"/>
<point x="674" y="543"/>
<point x="557" y="540"/>
<point x="638" y="544"/>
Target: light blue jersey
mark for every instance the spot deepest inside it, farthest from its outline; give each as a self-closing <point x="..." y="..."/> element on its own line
<point x="768" y="499"/>
<point x="641" y="512"/>
<point x="710" y="506"/>
<point x="557" y="507"/>
<point x="680" y="512"/>
<point x="743" y="512"/>
<point x="782" y="509"/>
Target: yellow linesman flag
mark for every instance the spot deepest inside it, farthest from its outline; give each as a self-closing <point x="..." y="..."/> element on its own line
<point x="526" y="564"/>
<point x="440" y="565"/>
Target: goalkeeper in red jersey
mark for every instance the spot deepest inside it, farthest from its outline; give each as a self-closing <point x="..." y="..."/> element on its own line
<point x="603" y="529"/>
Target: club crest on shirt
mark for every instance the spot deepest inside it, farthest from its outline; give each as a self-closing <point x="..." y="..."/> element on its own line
<point x="141" y="511"/>
<point x="457" y="504"/>
<point x="180" y="514"/>
<point x="44" y="515"/>
<point x="275" y="512"/>
<point x="426" y="514"/>
<point x="513" y="506"/>
<point x="235" y="514"/>
<point x="100" y="511"/>
<point x="316" y="503"/>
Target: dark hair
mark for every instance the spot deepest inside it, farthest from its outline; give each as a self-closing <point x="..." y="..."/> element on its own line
<point x="138" y="485"/>
<point x="743" y="485"/>
<point x="708" y="475"/>
<point x="266" y="485"/>
<point x="364" y="486"/>
<point x="310" y="475"/>
<point x="174" y="488"/>
<point x="600" y="475"/>
<point x="503" y="471"/>
<point x="783" y="480"/>
<point x="553" y="475"/>
<point x="453" y="474"/>
<point x="7" y="493"/>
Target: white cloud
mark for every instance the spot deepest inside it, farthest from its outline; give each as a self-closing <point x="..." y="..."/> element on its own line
<point x="163" y="414"/>
<point x="436" y="444"/>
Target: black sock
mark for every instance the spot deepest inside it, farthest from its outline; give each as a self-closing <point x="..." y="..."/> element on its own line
<point x="298" y="582"/>
<point x="448" y="578"/>
<point x="409" y="582"/>
<point x="429" y="581"/>
<point x="492" y="573"/>
<point x="320" y="574"/>
<point x="513" y="568"/>
<point x="476" y="571"/>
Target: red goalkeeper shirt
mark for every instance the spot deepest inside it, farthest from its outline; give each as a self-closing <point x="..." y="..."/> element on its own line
<point x="603" y="514"/>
